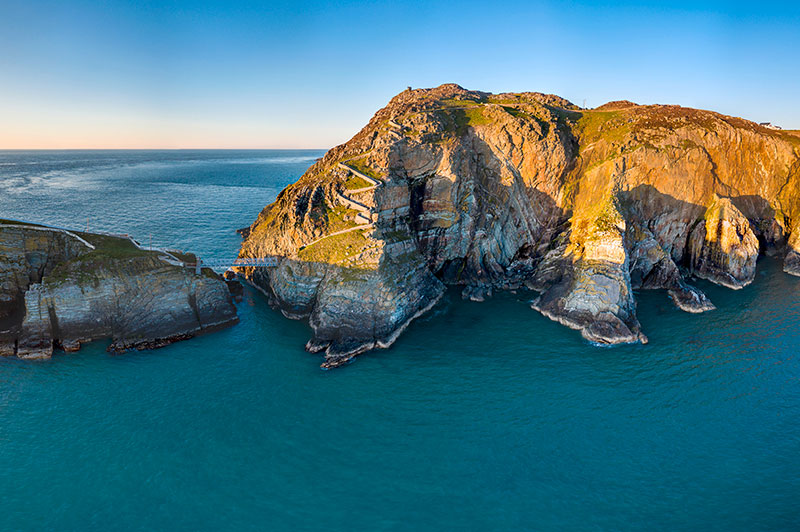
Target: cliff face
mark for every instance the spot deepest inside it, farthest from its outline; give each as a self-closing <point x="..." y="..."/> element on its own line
<point x="450" y="186"/>
<point x="61" y="289"/>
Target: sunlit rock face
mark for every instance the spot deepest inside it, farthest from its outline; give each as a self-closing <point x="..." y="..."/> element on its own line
<point x="447" y="186"/>
<point x="724" y="247"/>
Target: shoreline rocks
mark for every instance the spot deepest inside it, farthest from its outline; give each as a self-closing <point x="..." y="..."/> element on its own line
<point x="63" y="291"/>
<point x="498" y="191"/>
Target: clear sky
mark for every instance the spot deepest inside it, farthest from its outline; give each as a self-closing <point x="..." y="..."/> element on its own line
<point x="297" y="74"/>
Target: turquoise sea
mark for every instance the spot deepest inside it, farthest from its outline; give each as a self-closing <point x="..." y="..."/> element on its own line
<point x="483" y="416"/>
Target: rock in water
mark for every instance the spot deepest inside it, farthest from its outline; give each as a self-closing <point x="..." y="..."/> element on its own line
<point x="500" y="191"/>
<point x="724" y="247"/>
<point x="62" y="289"/>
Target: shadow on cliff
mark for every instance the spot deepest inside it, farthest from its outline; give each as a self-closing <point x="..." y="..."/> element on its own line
<point x="646" y="205"/>
<point x="537" y="217"/>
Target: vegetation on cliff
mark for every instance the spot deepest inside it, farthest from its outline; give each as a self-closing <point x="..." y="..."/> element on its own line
<point x="526" y="190"/>
<point x="59" y="289"/>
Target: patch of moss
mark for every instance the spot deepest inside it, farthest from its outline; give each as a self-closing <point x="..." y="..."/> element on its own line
<point x="337" y="218"/>
<point x="210" y="274"/>
<point x="609" y="218"/>
<point x="335" y="249"/>
<point x="112" y="247"/>
<point x="513" y="111"/>
<point x="503" y="101"/>
<point x="189" y="258"/>
<point x="458" y="120"/>
<point x="351" y="275"/>
<point x="108" y="250"/>
<point x="360" y="164"/>
<point x="453" y="103"/>
<point x="611" y="126"/>
<point x="355" y="183"/>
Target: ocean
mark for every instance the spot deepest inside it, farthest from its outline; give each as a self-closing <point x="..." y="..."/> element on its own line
<point x="483" y="416"/>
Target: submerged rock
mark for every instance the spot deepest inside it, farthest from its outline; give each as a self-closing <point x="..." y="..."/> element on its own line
<point x="451" y="186"/>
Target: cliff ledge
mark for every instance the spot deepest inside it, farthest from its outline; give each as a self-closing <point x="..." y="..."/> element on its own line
<point x="448" y="186"/>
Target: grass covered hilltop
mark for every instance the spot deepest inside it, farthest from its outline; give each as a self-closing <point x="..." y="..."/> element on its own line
<point x="501" y="191"/>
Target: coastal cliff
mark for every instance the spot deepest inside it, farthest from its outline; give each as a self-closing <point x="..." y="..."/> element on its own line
<point x="60" y="289"/>
<point x="448" y="186"/>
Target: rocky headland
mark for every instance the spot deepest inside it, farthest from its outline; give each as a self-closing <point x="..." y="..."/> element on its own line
<point x="449" y="186"/>
<point x="60" y="289"/>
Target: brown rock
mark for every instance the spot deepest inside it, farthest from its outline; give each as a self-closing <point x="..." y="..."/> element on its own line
<point x="501" y="191"/>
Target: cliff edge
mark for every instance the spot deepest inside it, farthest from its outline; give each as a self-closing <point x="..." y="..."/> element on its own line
<point x="60" y="289"/>
<point x="448" y="186"/>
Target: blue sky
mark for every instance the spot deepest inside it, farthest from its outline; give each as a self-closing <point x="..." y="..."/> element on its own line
<point x="228" y="74"/>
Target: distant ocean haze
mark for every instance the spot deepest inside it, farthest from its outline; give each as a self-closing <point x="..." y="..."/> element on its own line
<point x="192" y="199"/>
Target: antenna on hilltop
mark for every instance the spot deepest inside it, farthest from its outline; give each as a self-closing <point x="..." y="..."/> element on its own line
<point x="584" y="103"/>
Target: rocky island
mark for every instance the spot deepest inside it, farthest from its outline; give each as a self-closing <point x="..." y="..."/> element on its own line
<point x="449" y="186"/>
<point x="60" y="289"/>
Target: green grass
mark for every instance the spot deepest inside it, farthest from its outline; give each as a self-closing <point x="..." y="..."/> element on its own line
<point x="360" y="164"/>
<point x="112" y="247"/>
<point x="337" y="218"/>
<point x="475" y="117"/>
<point x="459" y="120"/>
<point x="450" y="103"/>
<point x="108" y="250"/>
<point x="190" y="258"/>
<point x="609" y="125"/>
<point x="502" y="101"/>
<point x="335" y="249"/>
<point x="513" y="111"/>
<point x="210" y="274"/>
<point x="355" y="183"/>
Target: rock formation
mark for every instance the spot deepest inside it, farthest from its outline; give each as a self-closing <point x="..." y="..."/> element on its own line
<point x="448" y="186"/>
<point x="60" y="289"/>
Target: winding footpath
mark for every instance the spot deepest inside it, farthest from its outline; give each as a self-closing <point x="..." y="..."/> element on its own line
<point x="364" y="213"/>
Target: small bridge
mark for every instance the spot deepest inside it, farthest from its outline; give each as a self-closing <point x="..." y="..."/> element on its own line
<point x="218" y="264"/>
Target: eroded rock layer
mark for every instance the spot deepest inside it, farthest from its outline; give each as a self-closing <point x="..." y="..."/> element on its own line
<point x="500" y="191"/>
<point x="59" y="289"/>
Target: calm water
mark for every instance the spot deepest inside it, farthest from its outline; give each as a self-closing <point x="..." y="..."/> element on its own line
<point x="483" y="416"/>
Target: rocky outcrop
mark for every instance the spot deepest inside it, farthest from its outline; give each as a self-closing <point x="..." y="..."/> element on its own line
<point x="791" y="263"/>
<point x="724" y="248"/>
<point x="61" y="290"/>
<point x="595" y="296"/>
<point x="519" y="190"/>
